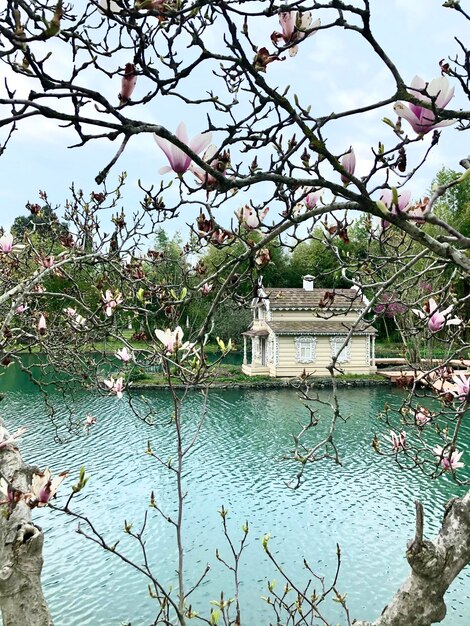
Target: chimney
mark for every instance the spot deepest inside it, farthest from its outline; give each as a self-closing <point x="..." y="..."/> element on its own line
<point x="308" y="282"/>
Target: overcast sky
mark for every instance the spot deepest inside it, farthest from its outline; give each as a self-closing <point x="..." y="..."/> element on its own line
<point x="334" y="70"/>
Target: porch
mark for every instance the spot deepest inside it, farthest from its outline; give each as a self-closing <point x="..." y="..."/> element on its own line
<point x="259" y="353"/>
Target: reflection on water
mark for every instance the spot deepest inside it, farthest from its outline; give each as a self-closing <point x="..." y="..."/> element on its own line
<point x="366" y="505"/>
<point x="94" y="364"/>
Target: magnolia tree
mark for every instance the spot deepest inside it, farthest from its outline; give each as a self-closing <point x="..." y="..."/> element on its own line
<point x="77" y="286"/>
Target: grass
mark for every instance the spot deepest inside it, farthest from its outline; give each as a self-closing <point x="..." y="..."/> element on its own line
<point x="389" y="349"/>
<point x="232" y="375"/>
<point x="223" y="375"/>
<point x="111" y="345"/>
<point x="347" y="377"/>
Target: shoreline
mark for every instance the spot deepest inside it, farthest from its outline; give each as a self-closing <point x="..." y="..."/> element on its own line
<point x="320" y="383"/>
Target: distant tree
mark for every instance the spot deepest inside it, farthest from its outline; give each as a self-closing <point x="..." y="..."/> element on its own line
<point x="42" y="223"/>
<point x="169" y="261"/>
<point x="315" y="258"/>
<point x="230" y="321"/>
<point x="275" y="271"/>
<point x="283" y="150"/>
<point x="454" y="205"/>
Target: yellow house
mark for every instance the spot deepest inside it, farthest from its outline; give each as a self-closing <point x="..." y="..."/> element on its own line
<point x="301" y="329"/>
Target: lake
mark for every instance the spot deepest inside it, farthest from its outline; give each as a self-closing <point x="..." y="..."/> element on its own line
<point x="366" y="505"/>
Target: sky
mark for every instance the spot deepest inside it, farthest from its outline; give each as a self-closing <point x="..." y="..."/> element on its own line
<point x="333" y="70"/>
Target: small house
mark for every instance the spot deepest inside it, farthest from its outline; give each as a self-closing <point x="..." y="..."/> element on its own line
<point x="301" y="329"/>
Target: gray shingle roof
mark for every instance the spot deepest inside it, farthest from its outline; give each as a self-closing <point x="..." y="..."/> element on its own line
<point x="260" y="332"/>
<point x="290" y="298"/>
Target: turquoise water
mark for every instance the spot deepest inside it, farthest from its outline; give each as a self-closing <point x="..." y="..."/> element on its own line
<point x="366" y="505"/>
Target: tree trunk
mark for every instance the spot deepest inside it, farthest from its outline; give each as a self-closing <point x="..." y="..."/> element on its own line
<point x="21" y="598"/>
<point x="434" y="566"/>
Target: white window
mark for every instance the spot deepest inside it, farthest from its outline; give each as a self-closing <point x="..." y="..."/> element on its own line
<point x="259" y="313"/>
<point x="305" y="349"/>
<point x="336" y="343"/>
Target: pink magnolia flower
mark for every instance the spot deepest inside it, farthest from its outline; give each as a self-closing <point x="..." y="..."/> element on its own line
<point x="251" y="218"/>
<point x="179" y="160"/>
<point x="403" y="201"/>
<point x="124" y="355"/>
<point x="44" y="487"/>
<point x="309" y="201"/>
<point x="128" y="83"/>
<point x="90" y="421"/>
<point x="423" y="120"/>
<point x="395" y="208"/>
<point x="294" y="26"/>
<point x="170" y="339"/>
<point x="390" y="305"/>
<point x="42" y="324"/>
<point x="423" y="416"/>
<point x="206" y="288"/>
<point x="436" y="319"/>
<point x="462" y="384"/>
<point x="218" y="237"/>
<point x="349" y="163"/>
<point x="47" y="261"/>
<point x="21" y="308"/>
<point x="312" y="198"/>
<point x="398" y="441"/>
<point x="111" y="301"/>
<point x="77" y="320"/>
<point x="220" y="164"/>
<point x="6" y="439"/>
<point x="115" y="386"/>
<point x="447" y="460"/>
<point x="416" y="214"/>
<point x="6" y="243"/>
<point x="151" y="5"/>
<point x="262" y="257"/>
<point x="416" y="211"/>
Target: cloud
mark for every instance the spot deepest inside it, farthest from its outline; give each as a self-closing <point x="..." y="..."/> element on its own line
<point x="335" y="70"/>
<point x="411" y="11"/>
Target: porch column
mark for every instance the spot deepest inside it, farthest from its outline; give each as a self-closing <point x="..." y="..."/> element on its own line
<point x="372" y="354"/>
<point x="244" y="351"/>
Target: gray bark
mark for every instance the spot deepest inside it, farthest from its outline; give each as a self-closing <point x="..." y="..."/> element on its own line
<point x="22" y="601"/>
<point x="434" y="566"/>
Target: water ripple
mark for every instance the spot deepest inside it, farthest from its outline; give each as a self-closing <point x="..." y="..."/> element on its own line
<point x="364" y="505"/>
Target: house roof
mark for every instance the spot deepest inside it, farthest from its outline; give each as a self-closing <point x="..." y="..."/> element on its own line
<point x="260" y="332"/>
<point x="319" y="327"/>
<point x="326" y="299"/>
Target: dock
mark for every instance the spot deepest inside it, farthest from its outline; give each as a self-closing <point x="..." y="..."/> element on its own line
<point x="430" y="378"/>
